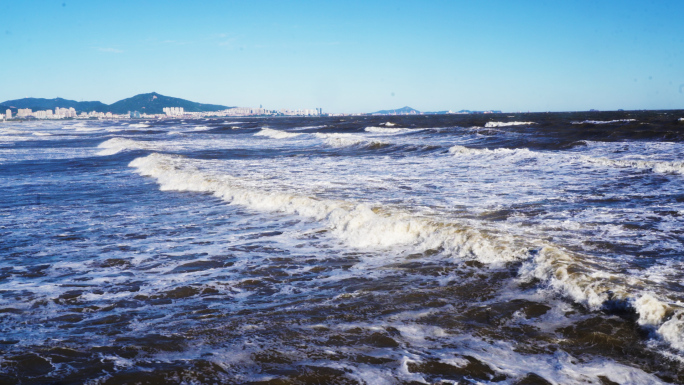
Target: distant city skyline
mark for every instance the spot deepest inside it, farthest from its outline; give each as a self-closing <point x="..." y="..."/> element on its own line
<point x="352" y="56"/>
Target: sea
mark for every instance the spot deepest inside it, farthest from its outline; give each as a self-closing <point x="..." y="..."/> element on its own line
<point x="521" y="248"/>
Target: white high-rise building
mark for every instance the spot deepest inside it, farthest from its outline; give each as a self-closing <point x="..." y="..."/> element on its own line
<point x="8" y="114"/>
<point x="173" y="111"/>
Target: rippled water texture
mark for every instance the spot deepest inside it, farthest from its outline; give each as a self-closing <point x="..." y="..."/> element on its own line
<point x="475" y="249"/>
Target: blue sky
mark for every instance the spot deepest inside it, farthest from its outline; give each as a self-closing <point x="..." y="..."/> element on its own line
<point x="350" y="56"/>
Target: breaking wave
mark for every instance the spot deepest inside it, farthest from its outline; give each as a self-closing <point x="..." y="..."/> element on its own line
<point x="661" y="167"/>
<point x="349" y="140"/>
<point x="507" y="124"/>
<point x="357" y="224"/>
<point x="462" y="150"/>
<point x="276" y="134"/>
<point x="385" y="130"/>
<point x="579" y="277"/>
<point x="605" y="121"/>
<point x="116" y="145"/>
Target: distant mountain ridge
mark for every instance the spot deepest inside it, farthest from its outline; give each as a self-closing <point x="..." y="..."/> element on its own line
<point x="400" y="111"/>
<point x="150" y="103"/>
<point x="50" y="104"/>
<point x="411" y="111"/>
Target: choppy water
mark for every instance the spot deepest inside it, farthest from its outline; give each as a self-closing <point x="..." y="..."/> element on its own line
<point x="507" y="249"/>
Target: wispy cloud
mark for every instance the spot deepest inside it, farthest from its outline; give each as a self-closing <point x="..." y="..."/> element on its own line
<point x="109" y="49"/>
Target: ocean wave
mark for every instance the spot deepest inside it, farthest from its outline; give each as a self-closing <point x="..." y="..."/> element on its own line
<point x="661" y="167"/>
<point x="462" y="150"/>
<point x="388" y="124"/>
<point x="42" y="134"/>
<point x="116" y="145"/>
<point x="139" y="125"/>
<point x="349" y="140"/>
<point x="582" y="278"/>
<point x="605" y="121"/>
<point x="87" y="129"/>
<point x="357" y="224"/>
<point x="202" y="128"/>
<point x="592" y="284"/>
<point x="385" y="130"/>
<point x="276" y="134"/>
<point x="311" y="127"/>
<point x="507" y="124"/>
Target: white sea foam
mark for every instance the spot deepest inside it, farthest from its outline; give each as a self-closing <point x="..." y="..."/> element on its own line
<point x="605" y="121"/>
<point x="42" y="134"/>
<point x="507" y="124"/>
<point x="201" y="128"/>
<point x="681" y="119"/>
<point x="385" y="130"/>
<point x="388" y="124"/>
<point x="276" y="134"/>
<point x="139" y="125"/>
<point x="357" y="224"/>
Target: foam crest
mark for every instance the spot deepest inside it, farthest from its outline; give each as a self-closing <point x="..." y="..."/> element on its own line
<point x="276" y="134"/>
<point x="139" y="125"/>
<point x="462" y="150"/>
<point x="116" y="145"/>
<point x="662" y="167"/>
<point x="349" y="140"/>
<point x="507" y="124"/>
<point x="357" y="224"/>
<point x="605" y="121"/>
<point x="591" y="283"/>
<point x="386" y="130"/>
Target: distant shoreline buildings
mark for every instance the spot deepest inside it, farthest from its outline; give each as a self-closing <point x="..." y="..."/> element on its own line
<point x="179" y="112"/>
<point x="169" y="112"/>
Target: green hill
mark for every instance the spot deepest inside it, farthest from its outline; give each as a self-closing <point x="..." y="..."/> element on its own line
<point x="153" y="103"/>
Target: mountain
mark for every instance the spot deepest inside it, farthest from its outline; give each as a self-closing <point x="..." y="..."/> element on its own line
<point x="152" y="103"/>
<point x="50" y="104"/>
<point x="401" y="111"/>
